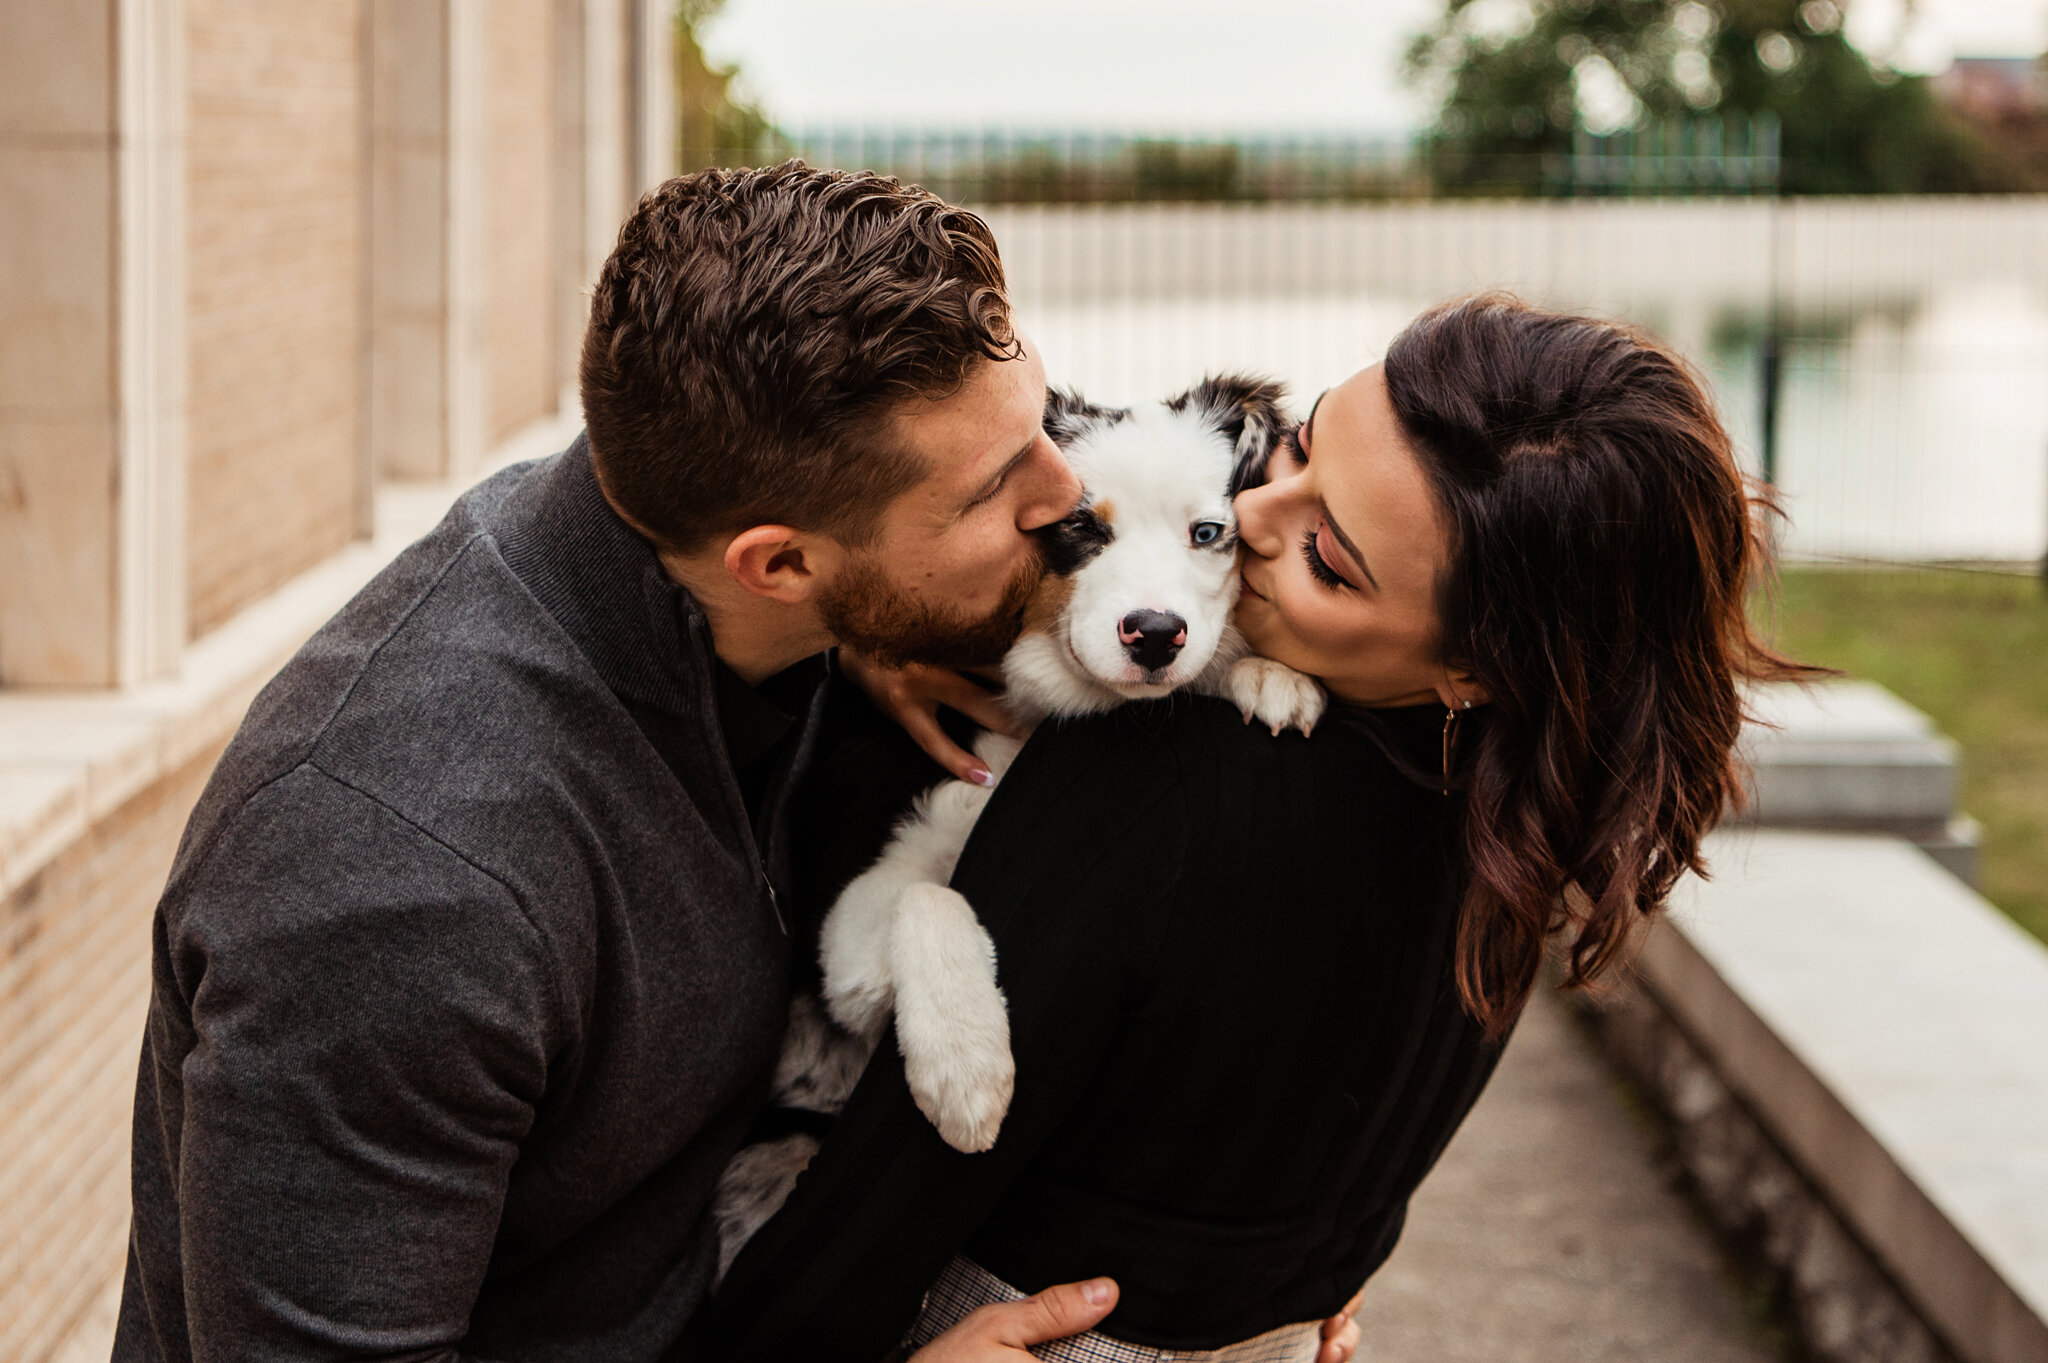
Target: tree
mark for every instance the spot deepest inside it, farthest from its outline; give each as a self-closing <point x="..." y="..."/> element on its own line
<point x="714" y="126"/>
<point x="1519" y="78"/>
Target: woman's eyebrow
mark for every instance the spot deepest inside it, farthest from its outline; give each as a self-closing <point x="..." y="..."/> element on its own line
<point x="1350" y="546"/>
<point x="1308" y="427"/>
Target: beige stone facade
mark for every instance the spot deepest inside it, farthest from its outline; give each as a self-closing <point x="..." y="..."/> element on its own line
<point x="76" y="990"/>
<point x="277" y="211"/>
<point x="258" y="259"/>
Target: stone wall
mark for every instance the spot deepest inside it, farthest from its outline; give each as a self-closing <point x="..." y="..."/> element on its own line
<point x="277" y="222"/>
<point x="1842" y="1304"/>
<point x="74" y="988"/>
<point x="260" y="251"/>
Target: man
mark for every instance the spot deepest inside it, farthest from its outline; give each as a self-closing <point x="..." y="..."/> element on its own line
<point x="473" y="962"/>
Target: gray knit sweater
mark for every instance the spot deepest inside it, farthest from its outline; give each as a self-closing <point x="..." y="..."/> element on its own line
<point x="468" y="974"/>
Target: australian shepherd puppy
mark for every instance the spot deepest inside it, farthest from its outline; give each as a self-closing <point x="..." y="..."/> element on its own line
<point x="1135" y="605"/>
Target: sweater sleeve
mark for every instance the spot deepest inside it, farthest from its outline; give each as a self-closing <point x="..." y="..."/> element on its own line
<point x="352" y="1031"/>
<point x="1073" y="891"/>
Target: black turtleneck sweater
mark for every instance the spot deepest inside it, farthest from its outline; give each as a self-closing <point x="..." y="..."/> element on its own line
<point x="468" y="977"/>
<point x="1229" y="966"/>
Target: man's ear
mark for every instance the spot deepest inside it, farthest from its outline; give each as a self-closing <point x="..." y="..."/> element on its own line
<point x="782" y="563"/>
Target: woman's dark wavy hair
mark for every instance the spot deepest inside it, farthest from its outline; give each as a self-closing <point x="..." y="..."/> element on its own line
<point x="1602" y="546"/>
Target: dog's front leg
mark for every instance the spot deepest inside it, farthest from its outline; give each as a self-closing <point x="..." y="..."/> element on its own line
<point x="951" y="1022"/>
<point x="1272" y="693"/>
<point x="854" y="941"/>
<point x="859" y="986"/>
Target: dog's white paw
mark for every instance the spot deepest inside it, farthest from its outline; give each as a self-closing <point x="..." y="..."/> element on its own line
<point x="1275" y="694"/>
<point x="951" y="1023"/>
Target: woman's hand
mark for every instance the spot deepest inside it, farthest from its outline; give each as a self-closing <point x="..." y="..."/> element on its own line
<point x="1004" y="1333"/>
<point x="912" y="696"/>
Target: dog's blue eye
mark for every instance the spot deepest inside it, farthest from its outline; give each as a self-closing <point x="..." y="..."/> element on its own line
<point x="1206" y="532"/>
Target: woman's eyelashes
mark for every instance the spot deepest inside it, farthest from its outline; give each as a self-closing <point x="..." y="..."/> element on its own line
<point x="1319" y="567"/>
<point x="1296" y="451"/>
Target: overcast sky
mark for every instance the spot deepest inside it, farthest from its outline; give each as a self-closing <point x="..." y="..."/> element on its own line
<point x="1168" y="65"/>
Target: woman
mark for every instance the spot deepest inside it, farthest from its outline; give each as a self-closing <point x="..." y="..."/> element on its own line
<point x="1256" y="983"/>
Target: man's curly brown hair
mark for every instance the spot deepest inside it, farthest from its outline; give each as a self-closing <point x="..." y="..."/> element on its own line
<point x="751" y="333"/>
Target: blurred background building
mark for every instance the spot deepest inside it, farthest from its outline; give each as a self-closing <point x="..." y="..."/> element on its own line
<point x="256" y="258"/>
<point x="279" y="277"/>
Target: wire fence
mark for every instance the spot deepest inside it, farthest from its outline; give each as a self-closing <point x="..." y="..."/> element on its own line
<point x="1717" y="154"/>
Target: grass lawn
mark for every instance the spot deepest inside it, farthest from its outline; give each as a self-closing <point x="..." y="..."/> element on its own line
<point x="1970" y="649"/>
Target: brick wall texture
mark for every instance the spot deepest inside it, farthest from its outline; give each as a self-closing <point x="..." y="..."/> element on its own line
<point x="519" y="270"/>
<point x="74" y="988"/>
<point x="277" y="218"/>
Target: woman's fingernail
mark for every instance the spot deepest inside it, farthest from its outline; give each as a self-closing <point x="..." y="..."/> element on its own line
<point x="1097" y="1292"/>
<point x="982" y="776"/>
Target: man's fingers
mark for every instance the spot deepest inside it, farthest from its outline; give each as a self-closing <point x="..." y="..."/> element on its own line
<point x="1340" y="1333"/>
<point x="1055" y="1313"/>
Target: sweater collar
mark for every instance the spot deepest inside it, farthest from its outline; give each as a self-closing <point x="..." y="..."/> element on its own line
<point x="604" y="585"/>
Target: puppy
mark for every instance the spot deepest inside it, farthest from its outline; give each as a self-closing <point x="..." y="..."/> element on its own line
<point x="1135" y="605"/>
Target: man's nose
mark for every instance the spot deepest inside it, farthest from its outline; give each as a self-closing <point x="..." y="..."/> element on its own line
<point x="1058" y="492"/>
<point x="1152" y="638"/>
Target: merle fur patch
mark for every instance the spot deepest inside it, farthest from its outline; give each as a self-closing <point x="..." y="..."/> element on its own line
<point x="1072" y="542"/>
<point x="1246" y="409"/>
<point x="1068" y="415"/>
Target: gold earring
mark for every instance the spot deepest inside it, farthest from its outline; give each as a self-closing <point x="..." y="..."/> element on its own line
<point x="1451" y="738"/>
<point x="1450" y="744"/>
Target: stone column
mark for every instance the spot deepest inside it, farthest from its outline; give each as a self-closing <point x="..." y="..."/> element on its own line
<point x="427" y="118"/>
<point x="92" y="380"/>
<point x="654" y="94"/>
<point x="569" y="251"/>
<point x="608" y="101"/>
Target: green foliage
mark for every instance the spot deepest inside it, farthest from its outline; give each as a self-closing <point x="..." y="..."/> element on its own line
<point x="1518" y="78"/>
<point x="1192" y="171"/>
<point x="715" y="127"/>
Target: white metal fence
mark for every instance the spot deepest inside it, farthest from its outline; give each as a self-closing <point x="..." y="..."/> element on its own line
<point x="1913" y="400"/>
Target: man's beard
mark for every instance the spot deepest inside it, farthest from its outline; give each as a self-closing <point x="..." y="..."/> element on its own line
<point x="866" y="612"/>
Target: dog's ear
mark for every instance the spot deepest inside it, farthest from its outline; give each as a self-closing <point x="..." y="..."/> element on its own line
<point x="1068" y="414"/>
<point x="1247" y="410"/>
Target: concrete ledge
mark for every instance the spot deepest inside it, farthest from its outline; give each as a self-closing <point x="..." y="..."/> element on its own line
<point x="1847" y="754"/>
<point x="68" y="758"/>
<point x="1850" y="755"/>
<point x="1886" y="1028"/>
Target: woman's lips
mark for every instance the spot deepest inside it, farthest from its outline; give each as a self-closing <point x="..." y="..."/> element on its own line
<point x="1250" y="590"/>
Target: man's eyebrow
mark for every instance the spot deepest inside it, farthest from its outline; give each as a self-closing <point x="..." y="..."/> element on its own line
<point x="1350" y="546"/>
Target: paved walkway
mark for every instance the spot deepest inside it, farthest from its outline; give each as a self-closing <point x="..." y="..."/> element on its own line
<point x="1549" y="1233"/>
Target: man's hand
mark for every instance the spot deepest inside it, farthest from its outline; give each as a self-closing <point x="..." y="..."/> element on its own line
<point x="1004" y="1333"/>
<point x="912" y="696"/>
<point x="1340" y="1333"/>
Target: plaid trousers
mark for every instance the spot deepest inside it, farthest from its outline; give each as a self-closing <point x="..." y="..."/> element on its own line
<point x="966" y="1285"/>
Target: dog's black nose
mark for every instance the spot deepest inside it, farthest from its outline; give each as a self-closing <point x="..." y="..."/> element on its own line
<point x="1152" y="637"/>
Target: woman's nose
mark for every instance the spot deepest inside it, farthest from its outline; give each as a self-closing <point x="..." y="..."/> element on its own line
<point x="1255" y="521"/>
